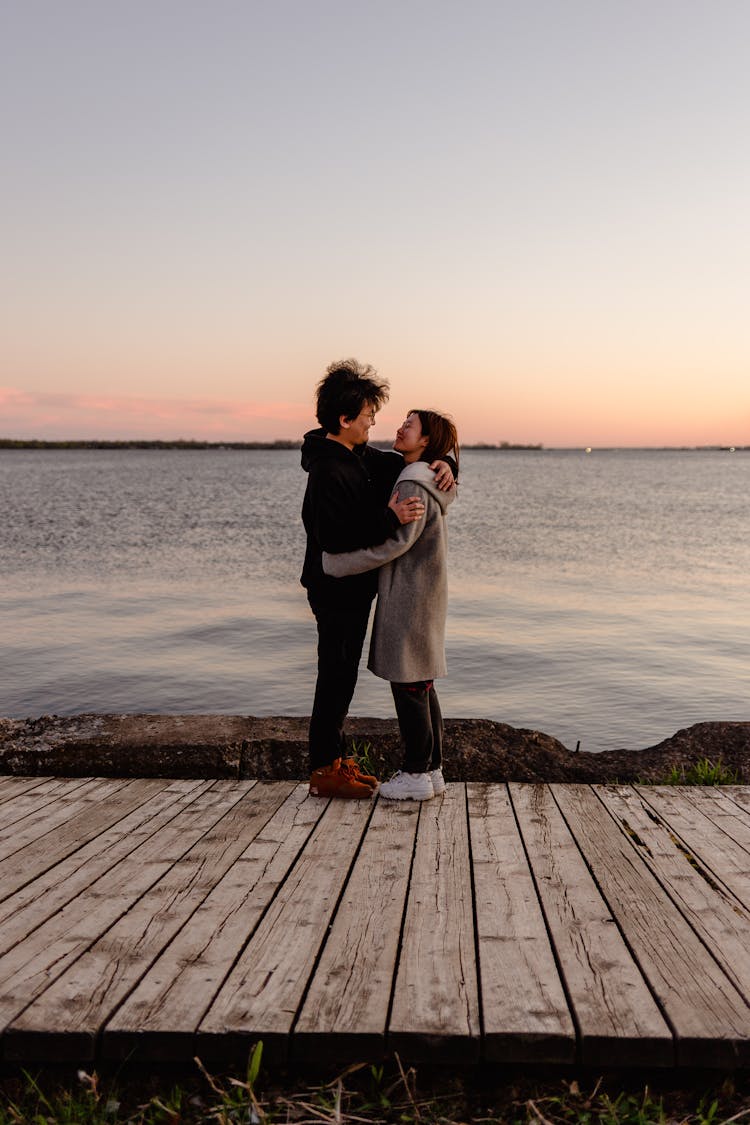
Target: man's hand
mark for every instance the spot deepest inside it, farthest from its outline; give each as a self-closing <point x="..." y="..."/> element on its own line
<point x="443" y="475"/>
<point x="409" y="509"/>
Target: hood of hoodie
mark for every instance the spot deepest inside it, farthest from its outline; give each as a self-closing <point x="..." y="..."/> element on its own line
<point x="317" y="447"/>
<point x="421" y="472"/>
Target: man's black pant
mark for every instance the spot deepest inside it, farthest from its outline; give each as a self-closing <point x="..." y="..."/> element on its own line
<point x="341" y="635"/>
<point x="421" y="725"/>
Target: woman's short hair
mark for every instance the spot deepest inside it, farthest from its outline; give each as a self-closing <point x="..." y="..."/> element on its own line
<point x="346" y="388"/>
<point x="442" y="435"/>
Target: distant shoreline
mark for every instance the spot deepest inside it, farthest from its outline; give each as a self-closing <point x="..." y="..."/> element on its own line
<point x="501" y="447"/>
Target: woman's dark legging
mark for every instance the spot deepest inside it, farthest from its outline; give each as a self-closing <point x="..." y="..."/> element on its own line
<point x="421" y="725"/>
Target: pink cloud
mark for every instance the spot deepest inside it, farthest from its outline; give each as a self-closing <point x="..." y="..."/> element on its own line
<point x="43" y="414"/>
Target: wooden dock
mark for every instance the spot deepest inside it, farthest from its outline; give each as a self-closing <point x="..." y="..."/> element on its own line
<point x="548" y="924"/>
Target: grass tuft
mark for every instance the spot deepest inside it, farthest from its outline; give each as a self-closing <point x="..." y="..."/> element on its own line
<point x="365" y="757"/>
<point x="703" y="772"/>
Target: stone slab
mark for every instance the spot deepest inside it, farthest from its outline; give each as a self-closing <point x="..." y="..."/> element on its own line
<point x="275" y="748"/>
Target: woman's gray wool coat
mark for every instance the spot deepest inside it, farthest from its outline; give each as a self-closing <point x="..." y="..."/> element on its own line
<point x="408" y="634"/>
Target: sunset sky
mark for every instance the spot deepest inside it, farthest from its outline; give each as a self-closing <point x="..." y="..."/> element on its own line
<point x="532" y="214"/>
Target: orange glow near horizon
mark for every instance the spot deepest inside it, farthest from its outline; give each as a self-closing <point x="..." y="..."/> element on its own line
<point x="58" y="416"/>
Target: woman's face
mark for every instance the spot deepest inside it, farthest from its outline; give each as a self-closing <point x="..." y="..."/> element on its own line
<point x="409" y="439"/>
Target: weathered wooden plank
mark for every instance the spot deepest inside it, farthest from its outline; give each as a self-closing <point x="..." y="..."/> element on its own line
<point x="618" y="1021"/>
<point x="709" y="1017"/>
<point x="12" y="786"/>
<point x="713" y="912"/>
<point x="73" y="800"/>
<point x="345" y="1012"/>
<point x="28" y="814"/>
<point x="701" y="809"/>
<point x="28" y="798"/>
<point x="525" y="1013"/>
<point x="704" y="832"/>
<point x="65" y="1019"/>
<point x="741" y="795"/>
<point x="262" y="994"/>
<point x="42" y="888"/>
<point x="733" y="812"/>
<point x="738" y="824"/>
<point x="435" y="1012"/>
<point x="32" y="966"/>
<point x="160" y="1017"/>
<point x="103" y="809"/>
<point x="723" y="810"/>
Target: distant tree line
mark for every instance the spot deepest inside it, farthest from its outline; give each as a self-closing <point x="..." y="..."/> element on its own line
<point x="467" y="445"/>
<point x="182" y="443"/>
<point x="36" y="443"/>
<point x="502" y="445"/>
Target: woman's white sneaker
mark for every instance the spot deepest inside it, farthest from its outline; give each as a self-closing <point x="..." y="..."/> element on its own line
<point x="407" y="787"/>
<point x="438" y="781"/>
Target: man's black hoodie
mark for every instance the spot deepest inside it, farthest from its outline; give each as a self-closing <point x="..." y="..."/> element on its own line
<point x="345" y="508"/>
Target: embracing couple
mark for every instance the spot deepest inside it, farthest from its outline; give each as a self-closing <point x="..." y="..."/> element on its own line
<point x="375" y="524"/>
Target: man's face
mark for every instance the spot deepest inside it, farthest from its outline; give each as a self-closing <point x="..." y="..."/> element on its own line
<point x="359" y="428"/>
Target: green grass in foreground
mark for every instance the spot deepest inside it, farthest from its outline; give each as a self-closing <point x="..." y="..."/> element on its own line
<point x="704" y="772"/>
<point x="365" y="1094"/>
<point x="366" y="759"/>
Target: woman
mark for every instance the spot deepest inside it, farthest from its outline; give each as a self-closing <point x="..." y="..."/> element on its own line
<point x="408" y="635"/>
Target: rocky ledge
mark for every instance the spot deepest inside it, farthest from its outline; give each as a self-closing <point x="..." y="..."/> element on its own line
<point x="242" y="746"/>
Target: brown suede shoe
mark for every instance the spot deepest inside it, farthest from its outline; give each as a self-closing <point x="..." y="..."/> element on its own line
<point x="334" y="781"/>
<point x="351" y="767"/>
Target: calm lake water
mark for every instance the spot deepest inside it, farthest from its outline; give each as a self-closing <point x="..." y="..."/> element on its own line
<point x="600" y="598"/>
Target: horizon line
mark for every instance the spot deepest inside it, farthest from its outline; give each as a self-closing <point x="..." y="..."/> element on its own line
<point x="295" y="443"/>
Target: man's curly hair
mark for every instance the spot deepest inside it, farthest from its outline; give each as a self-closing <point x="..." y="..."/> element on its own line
<point x="345" y="390"/>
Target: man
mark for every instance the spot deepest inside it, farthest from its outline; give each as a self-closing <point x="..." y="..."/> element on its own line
<point x="346" y="507"/>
